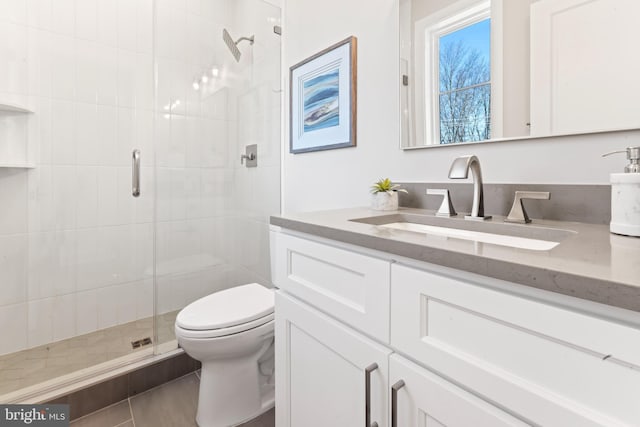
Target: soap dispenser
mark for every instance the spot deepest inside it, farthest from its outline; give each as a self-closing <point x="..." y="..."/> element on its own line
<point x="625" y="195"/>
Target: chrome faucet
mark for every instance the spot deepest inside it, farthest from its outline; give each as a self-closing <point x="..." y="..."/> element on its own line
<point x="460" y="170"/>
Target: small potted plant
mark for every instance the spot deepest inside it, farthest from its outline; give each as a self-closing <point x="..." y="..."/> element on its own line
<point x="385" y="195"/>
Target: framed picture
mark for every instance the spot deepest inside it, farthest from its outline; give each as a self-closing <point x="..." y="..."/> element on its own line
<point x="323" y="99"/>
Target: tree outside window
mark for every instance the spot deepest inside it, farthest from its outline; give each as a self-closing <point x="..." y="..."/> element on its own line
<point x="464" y="98"/>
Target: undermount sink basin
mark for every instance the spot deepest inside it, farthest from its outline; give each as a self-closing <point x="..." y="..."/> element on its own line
<point x="528" y="236"/>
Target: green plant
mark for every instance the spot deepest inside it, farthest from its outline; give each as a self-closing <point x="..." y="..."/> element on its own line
<point x="386" y="186"/>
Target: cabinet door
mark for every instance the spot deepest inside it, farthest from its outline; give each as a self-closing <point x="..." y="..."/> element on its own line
<point x="423" y="399"/>
<point x="347" y="285"/>
<point x="321" y="371"/>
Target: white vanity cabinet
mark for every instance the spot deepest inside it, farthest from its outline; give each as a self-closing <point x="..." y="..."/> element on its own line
<point x="420" y="398"/>
<point x="323" y="369"/>
<point x="450" y="348"/>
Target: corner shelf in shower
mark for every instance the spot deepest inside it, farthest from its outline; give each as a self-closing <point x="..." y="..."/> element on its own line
<point x="17" y="165"/>
<point x="14" y="108"/>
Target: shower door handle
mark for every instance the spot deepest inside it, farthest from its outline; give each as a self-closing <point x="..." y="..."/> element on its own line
<point x="367" y="391"/>
<point x="135" y="176"/>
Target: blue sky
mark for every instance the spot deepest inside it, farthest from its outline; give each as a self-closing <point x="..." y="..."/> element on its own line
<point x="476" y="36"/>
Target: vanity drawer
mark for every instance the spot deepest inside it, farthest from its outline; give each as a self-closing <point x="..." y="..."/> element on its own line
<point x="545" y="362"/>
<point x="347" y="285"/>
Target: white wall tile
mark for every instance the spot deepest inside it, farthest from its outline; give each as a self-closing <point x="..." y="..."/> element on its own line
<point x="13" y="199"/>
<point x="40" y="62"/>
<point x="144" y="25"/>
<point x="127" y="302"/>
<point x="144" y="205"/>
<point x="87" y="19"/>
<point x="14" y="338"/>
<point x="108" y="22"/>
<point x="62" y="66"/>
<point x="107" y="307"/>
<point x="13" y="11"/>
<point x="107" y="196"/>
<point x="125" y="136"/>
<point x="40" y="131"/>
<point x="193" y="193"/>
<point x="89" y="274"/>
<point x="86" y="122"/>
<point x="87" y="194"/>
<point x="87" y="70"/>
<point x="144" y="299"/>
<point x="86" y="312"/>
<point x="52" y="264"/>
<point x="107" y="134"/>
<point x="64" y="197"/>
<point x="125" y="202"/>
<point x="64" y="17"/>
<point x="144" y="81"/>
<point x="40" y="322"/>
<point x="63" y="132"/>
<point x="39" y="13"/>
<point x="64" y="317"/>
<point x="127" y="21"/>
<point x="13" y="269"/>
<point x="108" y="76"/>
<point x="177" y="155"/>
<point x="13" y="58"/>
<point x="127" y="70"/>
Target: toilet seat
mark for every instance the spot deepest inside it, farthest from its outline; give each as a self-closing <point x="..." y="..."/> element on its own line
<point x="223" y="332"/>
<point x="227" y="312"/>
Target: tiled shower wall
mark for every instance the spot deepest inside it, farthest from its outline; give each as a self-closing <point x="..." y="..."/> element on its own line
<point x="76" y="250"/>
<point x="212" y="211"/>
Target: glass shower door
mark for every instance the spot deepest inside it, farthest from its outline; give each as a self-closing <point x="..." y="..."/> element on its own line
<point x="212" y="211"/>
<point x="76" y="248"/>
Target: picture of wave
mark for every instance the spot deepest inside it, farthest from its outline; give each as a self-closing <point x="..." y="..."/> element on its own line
<point x="321" y="101"/>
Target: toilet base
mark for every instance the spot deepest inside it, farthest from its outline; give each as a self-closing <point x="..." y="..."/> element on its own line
<point x="233" y="391"/>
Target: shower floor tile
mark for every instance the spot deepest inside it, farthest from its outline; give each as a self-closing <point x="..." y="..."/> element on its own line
<point x="36" y="365"/>
<point x="172" y="404"/>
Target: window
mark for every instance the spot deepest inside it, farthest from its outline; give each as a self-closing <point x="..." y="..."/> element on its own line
<point x="465" y="85"/>
<point x="460" y="91"/>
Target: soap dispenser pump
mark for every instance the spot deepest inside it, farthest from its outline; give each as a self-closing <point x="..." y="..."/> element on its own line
<point x="625" y="195"/>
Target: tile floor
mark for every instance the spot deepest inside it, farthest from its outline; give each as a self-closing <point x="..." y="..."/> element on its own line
<point x="38" y="364"/>
<point x="170" y="405"/>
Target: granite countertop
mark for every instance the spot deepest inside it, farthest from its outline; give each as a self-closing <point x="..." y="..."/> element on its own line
<point x="589" y="263"/>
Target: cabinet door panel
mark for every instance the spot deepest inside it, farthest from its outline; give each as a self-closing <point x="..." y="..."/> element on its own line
<point x="426" y="400"/>
<point x="347" y="285"/>
<point x="540" y="361"/>
<point x="320" y="370"/>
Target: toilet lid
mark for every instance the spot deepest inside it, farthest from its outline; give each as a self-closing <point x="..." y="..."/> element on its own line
<point x="227" y="308"/>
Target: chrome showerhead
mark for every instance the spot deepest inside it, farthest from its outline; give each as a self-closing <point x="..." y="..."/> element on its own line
<point x="233" y="45"/>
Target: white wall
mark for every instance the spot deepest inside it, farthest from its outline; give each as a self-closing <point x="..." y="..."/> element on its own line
<point x="341" y="178"/>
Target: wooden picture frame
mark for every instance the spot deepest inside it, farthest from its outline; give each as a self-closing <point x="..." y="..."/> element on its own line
<point x="323" y="99"/>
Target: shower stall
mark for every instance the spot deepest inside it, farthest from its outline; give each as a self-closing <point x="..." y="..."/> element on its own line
<point x="98" y="97"/>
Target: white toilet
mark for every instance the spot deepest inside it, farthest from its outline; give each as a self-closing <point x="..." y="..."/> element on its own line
<point x="231" y="333"/>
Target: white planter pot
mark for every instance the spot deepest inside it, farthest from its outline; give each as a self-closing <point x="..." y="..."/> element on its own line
<point x="384" y="201"/>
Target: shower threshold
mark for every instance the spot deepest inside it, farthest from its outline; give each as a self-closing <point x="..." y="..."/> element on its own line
<point x="39" y="373"/>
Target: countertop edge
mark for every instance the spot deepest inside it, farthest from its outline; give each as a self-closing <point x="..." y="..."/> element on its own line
<point x="618" y="295"/>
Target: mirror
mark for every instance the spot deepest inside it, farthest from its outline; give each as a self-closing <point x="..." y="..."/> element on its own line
<point x="482" y="70"/>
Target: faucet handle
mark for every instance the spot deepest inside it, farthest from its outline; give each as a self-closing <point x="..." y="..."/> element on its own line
<point x="518" y="214"/>
<point x="446" y="208"/>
